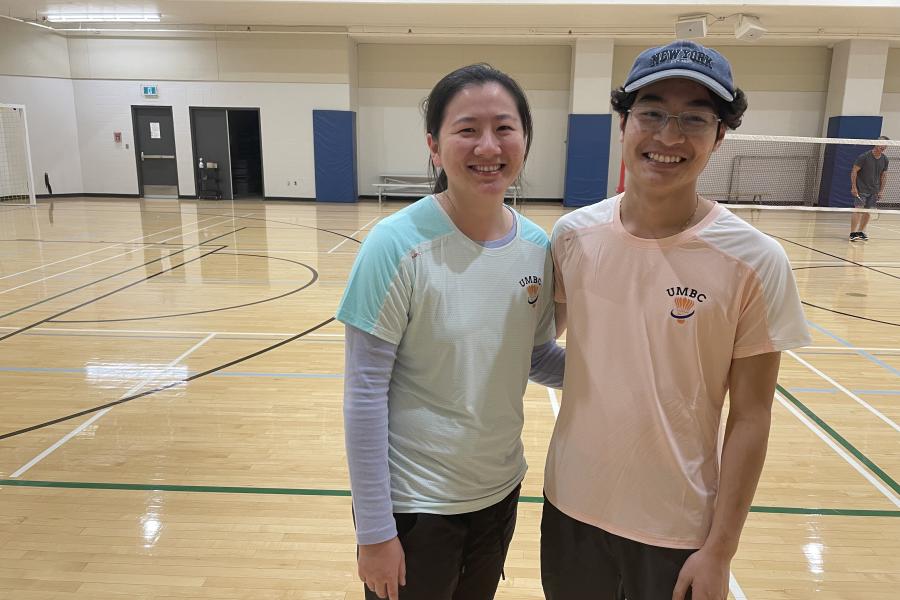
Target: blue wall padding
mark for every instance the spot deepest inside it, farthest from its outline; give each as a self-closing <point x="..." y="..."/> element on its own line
<point x="834" y="189"/>
<point x="587" y="159"/>
<point x="334" y="142"/>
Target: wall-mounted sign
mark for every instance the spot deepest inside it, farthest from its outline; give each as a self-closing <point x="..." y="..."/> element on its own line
<point x="150" y="90"/>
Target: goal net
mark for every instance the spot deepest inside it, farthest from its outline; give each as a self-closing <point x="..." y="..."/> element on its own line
<point x="16" y="182"/>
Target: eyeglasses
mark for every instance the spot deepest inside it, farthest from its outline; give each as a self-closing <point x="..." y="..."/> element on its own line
<point x="690" y="122"/>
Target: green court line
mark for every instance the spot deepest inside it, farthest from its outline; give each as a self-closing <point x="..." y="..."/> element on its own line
<point x="841" y="440"/>
<point x="840" y="512"/>
<point x="164" y="487"/>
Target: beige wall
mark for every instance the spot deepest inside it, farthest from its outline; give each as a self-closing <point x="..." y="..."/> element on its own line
<point x="757" y="68"/>
<point x="419" y="66"/>
<point x="27" y="50"/>
<point x="232" y="57"/>
<point x="892" y="74"/>
<point x="394" y="79"/>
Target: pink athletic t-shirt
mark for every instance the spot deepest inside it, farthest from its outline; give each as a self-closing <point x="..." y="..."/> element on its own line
<point x="653" y="325"/>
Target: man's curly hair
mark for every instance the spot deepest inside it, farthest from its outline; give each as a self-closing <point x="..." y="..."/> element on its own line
<point x="731" y="113"/>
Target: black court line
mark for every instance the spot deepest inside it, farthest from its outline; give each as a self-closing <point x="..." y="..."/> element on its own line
<point x="97" y="242"/>
<point x="849" y="262"/>
<point x="835" y="256"/>
<point x="193" y="377"/>
<point x="846" y="314"/>
<point x="833" y="267"/>
<point x="150" y="262"/>
<point x="106" y="295"/>
<point x="266" y="220"/>
<point x="315" y="277"/>
<point x="236" y="218"/>
<point x="167" y="386"/>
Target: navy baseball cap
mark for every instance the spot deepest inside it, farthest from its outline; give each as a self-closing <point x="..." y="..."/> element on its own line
<point x="682" y="58"/>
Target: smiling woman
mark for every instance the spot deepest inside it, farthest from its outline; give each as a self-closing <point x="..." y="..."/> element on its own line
<point x="447" y="305"/>
<point x="479" y="129"/>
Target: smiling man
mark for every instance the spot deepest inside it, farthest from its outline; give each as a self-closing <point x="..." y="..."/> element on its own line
<point x="671" y="301"/>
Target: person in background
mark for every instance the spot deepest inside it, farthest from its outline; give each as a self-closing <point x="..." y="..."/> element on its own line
<point x="867" y="179"/>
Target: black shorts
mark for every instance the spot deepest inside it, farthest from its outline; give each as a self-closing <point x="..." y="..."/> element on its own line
<point x="455" y="557"/>
<point x="583" y="562"/>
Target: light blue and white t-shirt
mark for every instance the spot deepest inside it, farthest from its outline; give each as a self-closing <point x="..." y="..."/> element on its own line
<point x="465" y="318"/>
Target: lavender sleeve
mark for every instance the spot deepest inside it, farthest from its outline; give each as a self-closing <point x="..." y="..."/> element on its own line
<point x="548" y="364"/>
<point x="368" y="364"/>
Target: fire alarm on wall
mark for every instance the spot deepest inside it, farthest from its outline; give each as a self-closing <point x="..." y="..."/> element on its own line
<point x="117" y="137"/>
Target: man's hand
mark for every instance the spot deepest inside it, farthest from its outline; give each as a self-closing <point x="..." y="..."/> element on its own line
<point x="382" y="567"/>
<point x="854" y="193"/>
<point x="706" y="574"/>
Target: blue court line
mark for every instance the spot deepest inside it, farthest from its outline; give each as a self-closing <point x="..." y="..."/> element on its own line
<point x="797" y="390"/>
<point x="862" y="353"/>
<point x="219" y="374"/>
<point x="835" y="352"/>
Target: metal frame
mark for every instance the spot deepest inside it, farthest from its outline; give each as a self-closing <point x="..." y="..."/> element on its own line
<point x="417" y="186"/>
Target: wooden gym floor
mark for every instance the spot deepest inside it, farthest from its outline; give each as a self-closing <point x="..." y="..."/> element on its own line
<point x="170" y="408"/>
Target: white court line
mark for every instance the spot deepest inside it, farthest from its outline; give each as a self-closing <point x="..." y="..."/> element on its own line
<point x="179" y="332"/>
<point x="554" y="401"/>
<point x="360" y="230"/>
<point x="100" y="249"/>
<point x="99" y="414"/>
<point x="853" y="396"/>
<point x="843" y="263"/>
<point x="331" y="335"/>
<point x="104" y="260"/>
<point x="815" y="209"/>
<point x="851" y="348"/>
<point x="840" y="451"/>
<point x="877" y="226"/>
<point x="736" y="590"/>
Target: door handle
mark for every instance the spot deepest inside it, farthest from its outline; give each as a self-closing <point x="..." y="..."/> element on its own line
<point x="146" y="156"/>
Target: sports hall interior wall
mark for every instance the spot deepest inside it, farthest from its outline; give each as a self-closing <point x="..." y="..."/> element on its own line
<point x="890" y="100"/>
<point x="394" y="79"/>
<point x="34" y="71"/>
<point x="79" y="90"/>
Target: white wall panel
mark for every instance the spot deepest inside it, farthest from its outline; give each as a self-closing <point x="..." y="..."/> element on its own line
<point x="27" y="50"/>
<point x="50" y="110"/>
<point x="285" y="122"/>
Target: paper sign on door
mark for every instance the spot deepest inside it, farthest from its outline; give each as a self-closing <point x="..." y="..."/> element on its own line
<point x="154" y="131"/>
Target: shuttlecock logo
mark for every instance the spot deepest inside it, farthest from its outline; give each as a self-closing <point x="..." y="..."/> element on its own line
<point x="532" y="285"/>
<point x="683" y="309"/>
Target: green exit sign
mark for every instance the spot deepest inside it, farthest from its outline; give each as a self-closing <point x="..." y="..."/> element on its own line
<point x="150" y="90"/>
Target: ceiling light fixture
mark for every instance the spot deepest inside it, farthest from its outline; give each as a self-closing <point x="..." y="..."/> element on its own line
<point x="103" y="18"/>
